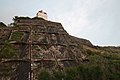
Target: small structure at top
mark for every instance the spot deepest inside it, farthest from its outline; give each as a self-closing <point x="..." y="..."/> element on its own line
<point x="42" y="14"/>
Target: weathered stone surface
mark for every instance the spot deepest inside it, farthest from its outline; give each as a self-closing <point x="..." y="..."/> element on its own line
<point x="34" y="43"/>
<point x="43" y="43"/>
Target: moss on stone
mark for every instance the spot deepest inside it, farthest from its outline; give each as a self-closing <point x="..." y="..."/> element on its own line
<point x="7" y="51"/>
<point x="16" y="36"/>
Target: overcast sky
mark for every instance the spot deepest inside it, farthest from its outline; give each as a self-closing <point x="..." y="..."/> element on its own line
<point x="95" y="20"/>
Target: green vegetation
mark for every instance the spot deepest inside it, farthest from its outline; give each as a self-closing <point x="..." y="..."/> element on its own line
<point x="73" y="73"/>
<point x="58" y="75"/>
<point x="83" y="72"/>
<point x="100" y="67"/>
<point x="44" y="75"/>
<point x="16" y="36"/>
<point x="7" y="51"/>
<point x="16" y="27"/>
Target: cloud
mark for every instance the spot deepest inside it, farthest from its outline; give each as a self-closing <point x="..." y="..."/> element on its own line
<point x="77" y="19"/>
<point x="91" y="19"/>
<point x="96" y="20"/>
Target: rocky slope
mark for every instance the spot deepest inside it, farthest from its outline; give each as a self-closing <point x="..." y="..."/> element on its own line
<point x="33" y="48"/>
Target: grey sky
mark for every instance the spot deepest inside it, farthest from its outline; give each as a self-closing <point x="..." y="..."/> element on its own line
<point x="95" y="20"/>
